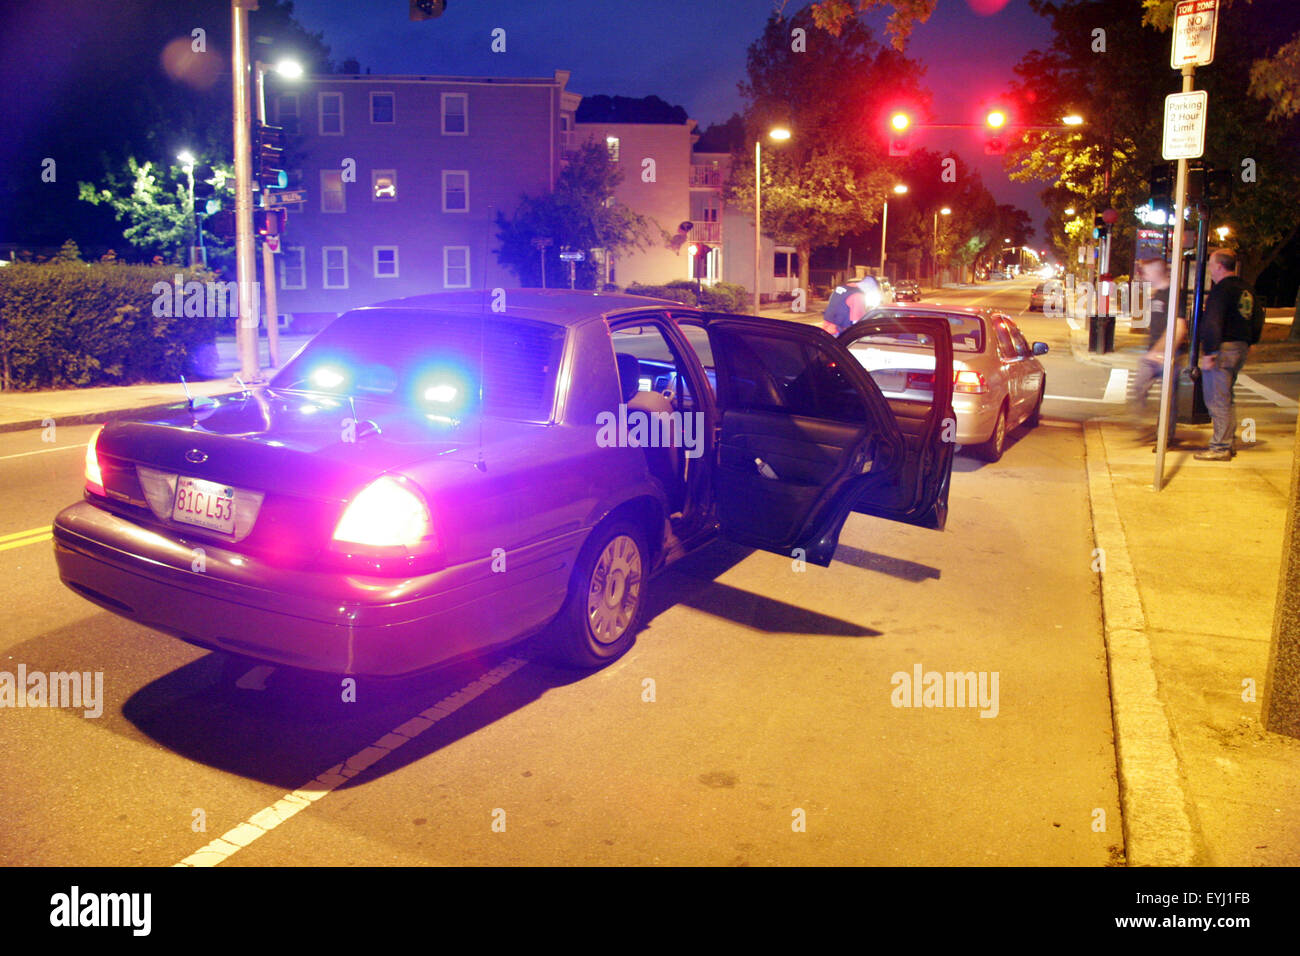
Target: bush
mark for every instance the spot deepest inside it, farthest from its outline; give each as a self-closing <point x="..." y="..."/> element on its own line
<point x="719" y="297"/>
<point x="674" y="291"/>
<point x="69" y="323"/>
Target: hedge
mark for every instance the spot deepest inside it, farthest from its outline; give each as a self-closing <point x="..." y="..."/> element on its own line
<point x="69" y="323"/>
<point x="719" y="297"/>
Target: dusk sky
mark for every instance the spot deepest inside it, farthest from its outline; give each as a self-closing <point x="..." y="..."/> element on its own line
<point x="688" y="53"/>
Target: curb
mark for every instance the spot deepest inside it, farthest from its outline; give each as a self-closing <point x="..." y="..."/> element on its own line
<point x="95" y="418"/>
<point x="1157" y="827"/>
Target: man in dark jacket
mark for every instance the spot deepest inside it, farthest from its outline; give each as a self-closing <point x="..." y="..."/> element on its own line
<point x="1224" y="335"/>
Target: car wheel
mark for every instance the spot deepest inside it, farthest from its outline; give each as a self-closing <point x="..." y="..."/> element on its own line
<point x="1036" y="415"/>
<point x="606" y="601"/>
<point x="991" y="450"/>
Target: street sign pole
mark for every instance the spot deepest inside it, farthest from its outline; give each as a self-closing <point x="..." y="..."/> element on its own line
<point x="1172" y="310"/>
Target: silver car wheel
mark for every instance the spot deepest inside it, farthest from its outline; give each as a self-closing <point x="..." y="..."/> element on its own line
<point x="614" y="591"/>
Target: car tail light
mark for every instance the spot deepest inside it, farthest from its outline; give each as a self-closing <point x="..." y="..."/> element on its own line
<point x="94" y="476"/>
<point x="387" y="516"/>
<point x="966" y="380"/>
<point x="920" y="381"/>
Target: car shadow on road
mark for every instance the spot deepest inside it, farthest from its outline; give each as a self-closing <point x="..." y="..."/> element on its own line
<point x="691" y="583"/>
<point x="894" y="567"/>
<point x="295" y="725"/>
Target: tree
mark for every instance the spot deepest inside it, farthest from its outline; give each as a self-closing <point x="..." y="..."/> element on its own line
<point x="831" y="15"/>
<point x="580" y="214"/>
<point x="155" y="204"/>
<point x="832" y="176"/>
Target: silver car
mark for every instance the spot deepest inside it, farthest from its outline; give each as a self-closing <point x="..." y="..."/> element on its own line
<point x="998" y="382"/>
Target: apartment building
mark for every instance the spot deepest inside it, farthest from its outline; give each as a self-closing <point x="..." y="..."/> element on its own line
<point x="404" y="177"/>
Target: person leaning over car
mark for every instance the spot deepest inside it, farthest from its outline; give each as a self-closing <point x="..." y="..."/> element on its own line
<point x="849" y="302"/>
<point x="1224" y="335"/>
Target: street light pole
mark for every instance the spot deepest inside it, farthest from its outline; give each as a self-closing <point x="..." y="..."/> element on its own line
<point x="187" y="164"/>
<point x="758" y="221"/>
<point x="884" y="223"/>
<point x="245" y="250"/>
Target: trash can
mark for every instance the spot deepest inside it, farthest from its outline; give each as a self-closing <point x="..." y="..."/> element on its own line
<point x="1189" y="401"/>
<point x="1101" y="333"/>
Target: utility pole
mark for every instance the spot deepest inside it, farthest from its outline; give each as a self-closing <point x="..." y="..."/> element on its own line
<point x="245" y="248"/>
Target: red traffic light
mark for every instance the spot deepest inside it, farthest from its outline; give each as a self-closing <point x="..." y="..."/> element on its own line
<point x="269" y="222"/>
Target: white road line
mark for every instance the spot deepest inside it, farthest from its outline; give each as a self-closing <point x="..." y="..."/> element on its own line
<point x="1263" y="391"/>
<point x="44" y="451"/>
<point x="267" y="819"/>
<point x="1116" y="386"/>
<point x="1071" y="398"/>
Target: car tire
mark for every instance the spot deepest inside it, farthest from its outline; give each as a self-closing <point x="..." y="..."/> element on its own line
<point x="1036" y="415"/>
<point x="991" y="450"/>
<point x="606" y="599"/>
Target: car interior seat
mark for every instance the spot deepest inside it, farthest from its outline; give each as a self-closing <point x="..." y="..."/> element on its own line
<point x="666" y="462"/>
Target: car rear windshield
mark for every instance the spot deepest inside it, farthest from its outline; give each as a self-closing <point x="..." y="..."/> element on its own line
<point x="967" y="330"/>
<point x="432" y="360"/>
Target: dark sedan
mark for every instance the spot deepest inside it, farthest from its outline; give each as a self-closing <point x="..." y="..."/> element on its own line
<point x="907" y="290"/>
<point x="428" y="479"/>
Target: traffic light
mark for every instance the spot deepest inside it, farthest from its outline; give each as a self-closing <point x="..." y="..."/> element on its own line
<point x="900" y="143"/>
<point x="1098" y="226"/>
<point x="203" y="188"/>
<point x="1161" y="182"/>
<point x="268" y="222"/>
<point x="268" y="145"/>
<point x="427" y="9"/>
<point x="995" y="133"/>
<point x="222" y="223"/>
<point x="1208" y="185"/>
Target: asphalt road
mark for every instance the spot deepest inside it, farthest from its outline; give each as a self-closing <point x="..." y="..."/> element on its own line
<point x="754" y="722"/>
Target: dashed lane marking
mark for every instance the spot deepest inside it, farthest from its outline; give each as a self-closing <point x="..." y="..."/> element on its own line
<point x="267" y="819"/>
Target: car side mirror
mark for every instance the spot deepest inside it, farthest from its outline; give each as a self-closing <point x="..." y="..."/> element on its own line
<point x="1040" y="348"/>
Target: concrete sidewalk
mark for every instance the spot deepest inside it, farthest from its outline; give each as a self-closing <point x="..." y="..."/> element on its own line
<point x="1189" y="581"/>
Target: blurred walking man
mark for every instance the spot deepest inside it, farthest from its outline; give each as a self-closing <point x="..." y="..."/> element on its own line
<point x="1151" y="366"/>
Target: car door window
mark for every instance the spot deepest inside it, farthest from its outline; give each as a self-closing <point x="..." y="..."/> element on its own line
<point x="773" y="374"/>
<point x="1022" y="347"/>
<point x="1006" y="348"/>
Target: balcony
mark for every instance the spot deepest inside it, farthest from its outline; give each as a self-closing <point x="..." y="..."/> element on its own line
<point x="705" y="232"/>
<point x="706" y="177"/>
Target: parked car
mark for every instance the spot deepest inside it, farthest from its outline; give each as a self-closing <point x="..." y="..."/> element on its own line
<point x="907" y="290"/>
<point x="998" y="382"/>
<point x="427" y="479"/>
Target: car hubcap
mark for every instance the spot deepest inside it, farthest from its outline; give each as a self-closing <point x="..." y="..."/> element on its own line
<point x="615" y="590"/>
<point x="1000" y="432"/>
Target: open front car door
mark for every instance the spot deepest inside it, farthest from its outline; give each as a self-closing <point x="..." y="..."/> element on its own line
<point x="805" y="436"/>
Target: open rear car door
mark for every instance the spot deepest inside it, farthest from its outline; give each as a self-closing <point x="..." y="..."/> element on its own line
<point x="805" y="437"/>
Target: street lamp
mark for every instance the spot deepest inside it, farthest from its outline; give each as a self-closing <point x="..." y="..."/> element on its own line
<point x="186" y="159"/>
<point x="1069" y="211"/>
<point x="900" y="189"/>
<point x="780" y="134"/>
<point x="934" y="245"/>
<point x="1223" y="232"/>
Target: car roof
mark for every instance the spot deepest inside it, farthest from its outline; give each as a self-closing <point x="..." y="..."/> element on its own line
<point x="935" y="308"/>
<point x="565" y="307"/>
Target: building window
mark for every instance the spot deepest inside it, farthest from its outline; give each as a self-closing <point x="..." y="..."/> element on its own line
<point x="331" y="114"/>
<point x="286" y="113"/>
<point x="455" y="267"/>
<point x="783" y="265"/>
<point x="611" y="143"/>
<point x="331" y="191"/>
<point x="455" y="190"/>
<point x="382" y="108"/>
<point x="455" y="114"/>
<point x="383" y="185"/>
<point x="385" y="262"/>
<point x="292" y="273"/>
<point x="334" y="260"/>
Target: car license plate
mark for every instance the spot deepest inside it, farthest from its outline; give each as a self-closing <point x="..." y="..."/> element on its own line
<point x="206" y="504"/>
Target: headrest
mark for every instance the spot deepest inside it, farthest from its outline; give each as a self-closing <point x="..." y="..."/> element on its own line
<point x="629" y="374"/>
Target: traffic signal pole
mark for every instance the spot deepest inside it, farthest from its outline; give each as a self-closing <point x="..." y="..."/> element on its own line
<point x="245" y="250"/>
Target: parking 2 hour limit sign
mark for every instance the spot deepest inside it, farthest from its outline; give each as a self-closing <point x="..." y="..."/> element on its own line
<point x="1196" y="23"/>
<point x="1185" y="125"/>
